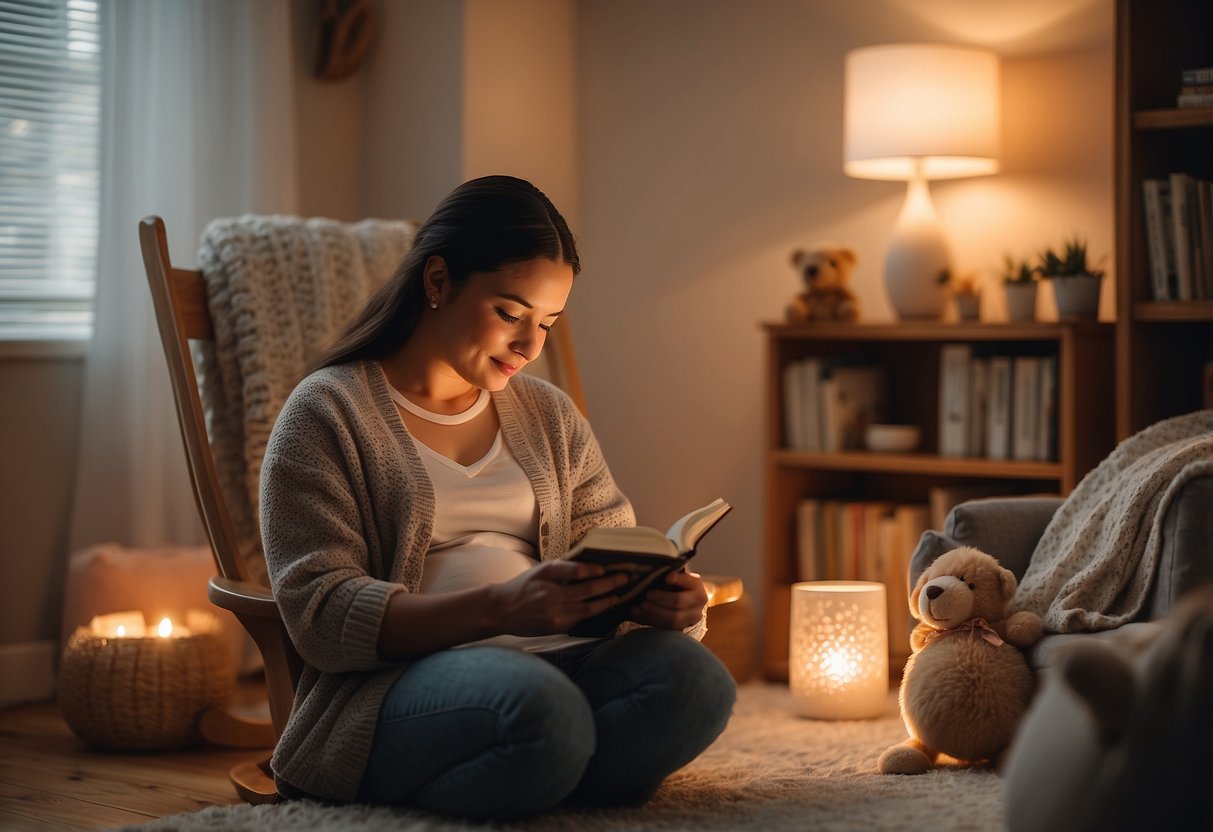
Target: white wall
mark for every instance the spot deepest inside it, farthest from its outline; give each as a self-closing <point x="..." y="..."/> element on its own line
<point x="711" y="146"/>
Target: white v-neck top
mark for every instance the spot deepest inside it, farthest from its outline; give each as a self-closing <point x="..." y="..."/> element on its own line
<point x="486" y="522"/>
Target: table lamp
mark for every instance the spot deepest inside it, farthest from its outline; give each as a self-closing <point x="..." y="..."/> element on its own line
<point x="917" y="112"/>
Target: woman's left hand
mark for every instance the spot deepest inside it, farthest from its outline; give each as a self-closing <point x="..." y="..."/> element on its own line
<point x="674" y="605"/>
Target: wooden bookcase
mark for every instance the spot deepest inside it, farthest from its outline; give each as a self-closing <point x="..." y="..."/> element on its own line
<point x="910" y="352"/>
<point x="1161" y="347"/>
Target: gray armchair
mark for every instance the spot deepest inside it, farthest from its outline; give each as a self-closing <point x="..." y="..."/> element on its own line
<point x="1009" y="529"/>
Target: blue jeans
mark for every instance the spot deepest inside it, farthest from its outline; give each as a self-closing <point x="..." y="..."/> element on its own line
<point x="489" y="732"/>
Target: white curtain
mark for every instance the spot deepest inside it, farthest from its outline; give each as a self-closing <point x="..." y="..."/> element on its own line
<point x="198" y="123"/>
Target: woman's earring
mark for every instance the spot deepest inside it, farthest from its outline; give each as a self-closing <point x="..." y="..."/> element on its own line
<point x="433" y="303"/>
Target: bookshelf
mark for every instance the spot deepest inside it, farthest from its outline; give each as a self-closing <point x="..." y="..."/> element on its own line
<point x="1162" y="347"/>
<point x="910" y="354"/>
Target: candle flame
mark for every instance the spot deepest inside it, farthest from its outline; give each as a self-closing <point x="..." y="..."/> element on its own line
<point x="166" y="628"/>
<point x="121" y="630"/>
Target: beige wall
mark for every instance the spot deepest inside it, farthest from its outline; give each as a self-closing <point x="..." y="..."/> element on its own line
<point x="519" y="94"/>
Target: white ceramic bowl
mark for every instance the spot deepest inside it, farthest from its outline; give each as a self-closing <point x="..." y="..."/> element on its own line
<point x="891" y="439"/>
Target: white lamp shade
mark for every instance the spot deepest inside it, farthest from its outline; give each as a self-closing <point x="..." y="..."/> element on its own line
<point x="839" y="658"/>
<point x="938" y="106"/>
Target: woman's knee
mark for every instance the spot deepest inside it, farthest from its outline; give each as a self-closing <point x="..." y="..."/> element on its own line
<point x="512" y="742"/>
<point x="686" y="667"/>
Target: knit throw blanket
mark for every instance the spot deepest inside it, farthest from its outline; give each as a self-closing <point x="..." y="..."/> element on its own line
<point x="280" y="289"/>
<point x="1092" y="568"/>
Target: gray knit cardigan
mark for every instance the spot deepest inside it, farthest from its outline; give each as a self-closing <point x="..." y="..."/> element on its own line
<point x="347" y="510"/>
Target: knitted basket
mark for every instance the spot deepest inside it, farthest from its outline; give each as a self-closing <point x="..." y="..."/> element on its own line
<point x="142" y="694"/>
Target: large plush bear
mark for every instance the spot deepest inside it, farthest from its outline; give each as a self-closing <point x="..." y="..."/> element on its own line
<point x="966" y="684"/>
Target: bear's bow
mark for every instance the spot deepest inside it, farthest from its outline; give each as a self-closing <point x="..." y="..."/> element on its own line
<point x="975" y="627"/>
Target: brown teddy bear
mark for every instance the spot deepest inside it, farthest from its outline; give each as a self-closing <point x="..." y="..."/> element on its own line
<point x="966" y="685"/>
<point x="825" y="272"/>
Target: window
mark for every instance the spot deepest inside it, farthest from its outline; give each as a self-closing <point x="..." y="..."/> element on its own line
<point x="50" y="120"/>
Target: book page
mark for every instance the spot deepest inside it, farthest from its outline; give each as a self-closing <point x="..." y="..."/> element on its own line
<point x="689" y="528"/>
<point x="638" y="539"/>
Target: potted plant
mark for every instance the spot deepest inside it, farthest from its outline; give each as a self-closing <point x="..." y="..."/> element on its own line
<point x="1019" y="283"/>
<point x="1075" y="282"/>
<point x="964" y="287"/>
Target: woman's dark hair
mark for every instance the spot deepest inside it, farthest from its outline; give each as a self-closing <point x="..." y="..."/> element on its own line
<point x="483" y="225"/>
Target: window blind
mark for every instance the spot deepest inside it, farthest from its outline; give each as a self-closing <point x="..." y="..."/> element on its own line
<point x="50" y="124"/>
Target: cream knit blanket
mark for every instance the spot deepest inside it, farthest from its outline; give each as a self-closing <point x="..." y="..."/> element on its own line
<point x="1093" y="565"/>
<point x="280" y="289"/>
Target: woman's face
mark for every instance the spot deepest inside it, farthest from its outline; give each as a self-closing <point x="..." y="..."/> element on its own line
<point x="500" y="320"/>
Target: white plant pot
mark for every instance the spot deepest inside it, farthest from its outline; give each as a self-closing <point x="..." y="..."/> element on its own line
<point x="1021" y="301"/>
<point x="1077" y="296"/>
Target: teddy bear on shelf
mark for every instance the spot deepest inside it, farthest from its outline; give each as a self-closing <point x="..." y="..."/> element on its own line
<point x="826" y="273"/>
<point x="966" y="684"/>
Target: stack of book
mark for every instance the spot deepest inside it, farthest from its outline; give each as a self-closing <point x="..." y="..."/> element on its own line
<point x="863" y="540"/>
<point x="1197" y="88"/>
<point x="997" y="406"/>
<point x="828" y="403"/>
<point x="1179" y="236"/>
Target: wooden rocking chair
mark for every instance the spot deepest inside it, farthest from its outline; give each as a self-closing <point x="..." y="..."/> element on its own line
<point x="182" y="314"/>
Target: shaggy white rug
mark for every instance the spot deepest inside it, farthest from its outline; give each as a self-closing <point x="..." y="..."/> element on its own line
<point x="770" y="770"/>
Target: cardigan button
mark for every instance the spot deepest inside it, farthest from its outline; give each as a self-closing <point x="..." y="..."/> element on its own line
<point x="543" y="530"/>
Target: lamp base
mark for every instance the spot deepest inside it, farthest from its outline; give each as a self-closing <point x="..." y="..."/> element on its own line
<point x="917" y="258"/>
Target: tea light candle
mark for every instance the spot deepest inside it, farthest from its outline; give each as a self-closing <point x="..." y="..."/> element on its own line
<point x="839" y="660"/>
<point x="127" y="624"/>
<point x="166" y="629"/>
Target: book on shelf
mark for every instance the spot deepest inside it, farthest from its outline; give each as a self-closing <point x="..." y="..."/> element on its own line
<point x="810" y="389"/>
<point x="793" y="408"/>
<point x="1194" y="100"/>
<point x="954" y="369"/>
<point x="901" y="533"/>
<point x="979" y="396"/>
<point x="1196" y="75"/>
<point x="998" y="409"/>
<point x="1181" y="184"/>
<point x="1025" y="370"/>
<point x="852" y="397"/>
<point x="1204" y="224"/>
<point x="809" y="548"/>
<point x="645" y="555"/>
<point x="1155" y="201"/>
<point x="802" y="404"/>
<point x="1046" y="426"/>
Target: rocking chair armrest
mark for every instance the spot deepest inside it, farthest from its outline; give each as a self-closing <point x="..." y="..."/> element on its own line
<point x="242" y="597"/>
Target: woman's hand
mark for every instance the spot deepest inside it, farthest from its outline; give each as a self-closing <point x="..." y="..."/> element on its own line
<point x="674" y="605"/>
<point x="552" y="596"/>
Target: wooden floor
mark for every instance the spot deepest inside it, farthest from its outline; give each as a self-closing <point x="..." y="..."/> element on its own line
<point x="50" y="780"/>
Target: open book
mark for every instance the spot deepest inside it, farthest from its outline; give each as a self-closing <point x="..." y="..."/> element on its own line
<point x="645" y="555"/>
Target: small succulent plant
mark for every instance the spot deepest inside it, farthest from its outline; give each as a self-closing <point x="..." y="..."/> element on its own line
<point x="1014" y="271"/>
<point x="1071" y="262"/>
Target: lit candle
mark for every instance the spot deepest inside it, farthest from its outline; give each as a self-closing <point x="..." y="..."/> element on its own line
<point x="166" y="629"/>
<point x="127" y="624"/>
<point x="839" y="663"/>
